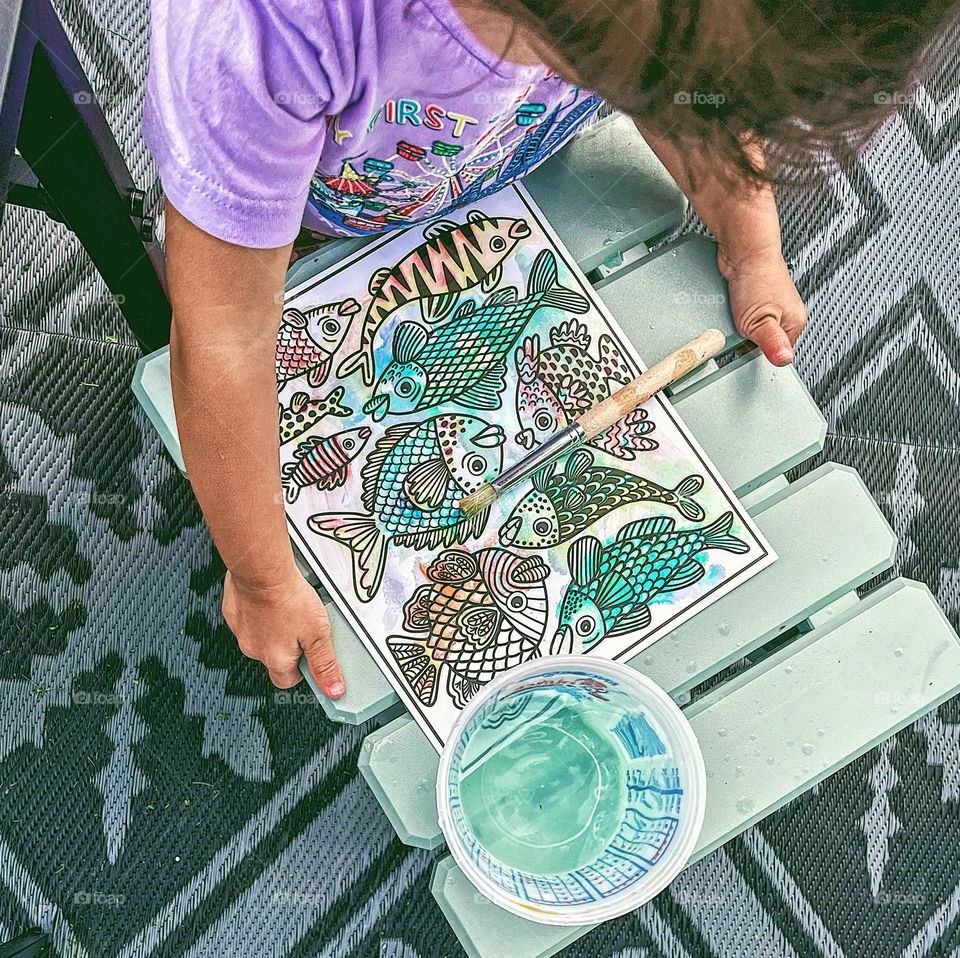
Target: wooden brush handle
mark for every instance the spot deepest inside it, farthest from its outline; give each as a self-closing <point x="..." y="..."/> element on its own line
<point x="659" y="376"/>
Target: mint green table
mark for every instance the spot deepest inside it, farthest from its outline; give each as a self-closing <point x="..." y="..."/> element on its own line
<point x="828" y="673"/>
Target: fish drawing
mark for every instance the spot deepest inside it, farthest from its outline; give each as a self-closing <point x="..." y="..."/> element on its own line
<point x="412" y="484"/>
<point x="304" y="412"/>
<point x="557" y="383"/>
<point x="477" y="615"/>
<point x="452" y="259"/>
<point x="613" y="585"/>
<point x="308" y="339"/>
<point x="462" y="360"/>
<point x="322" y="461"/>
<point x="564" y="502"/>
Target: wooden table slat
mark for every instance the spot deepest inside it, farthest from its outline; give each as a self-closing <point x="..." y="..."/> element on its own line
<point x="670" y="297"/>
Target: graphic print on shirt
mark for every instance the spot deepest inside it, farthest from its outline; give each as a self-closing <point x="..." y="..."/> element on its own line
<point x="430" y="173"/>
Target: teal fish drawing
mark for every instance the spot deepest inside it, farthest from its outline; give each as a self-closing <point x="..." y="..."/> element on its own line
<point x="454" y="258"/>
<point x="564" y="502"/>
<point x="613" y="585"/>
<point x="557" y="383"/>
<point x="462" y="360"/>
<point x="412" y="484"/>
<point x="322" y="461"/>
<point x="476" y="616"/>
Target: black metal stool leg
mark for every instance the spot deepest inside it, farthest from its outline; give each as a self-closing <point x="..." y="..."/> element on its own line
<point x="64" y="139"/>
<point x="31" y="944"/>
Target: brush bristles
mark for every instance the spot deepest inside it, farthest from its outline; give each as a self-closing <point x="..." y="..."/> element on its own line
<point x="478" y="501"/>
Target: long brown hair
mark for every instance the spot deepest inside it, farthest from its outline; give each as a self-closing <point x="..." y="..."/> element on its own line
<point x="806" y="77"/>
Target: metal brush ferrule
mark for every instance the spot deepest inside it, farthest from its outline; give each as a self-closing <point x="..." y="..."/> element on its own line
<point x="567" y="439"/>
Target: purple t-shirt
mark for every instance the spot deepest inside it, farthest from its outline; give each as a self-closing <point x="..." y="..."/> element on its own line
<point x="349" y="116"/>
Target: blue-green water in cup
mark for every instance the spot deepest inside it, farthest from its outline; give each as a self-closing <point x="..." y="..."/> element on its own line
<point x="542" y="782"/>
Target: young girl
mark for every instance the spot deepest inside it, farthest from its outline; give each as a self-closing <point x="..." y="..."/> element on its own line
<point x="263" y="114"/>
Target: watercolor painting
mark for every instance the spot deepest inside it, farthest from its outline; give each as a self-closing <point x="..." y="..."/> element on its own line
<point x="453" y="258"/>
<point x="321" y="461"/>
<point x="463" y="360"/>
<point x="304" y="412"/>
<point x="568" y="496"/>
<point x="480" y="613"/>
<point x="558" y="383"/>
<point x="420" y="367"/>
<point x="309" y="338"/>
<point x="613" y="585"/>
<point x="411" y="486"/>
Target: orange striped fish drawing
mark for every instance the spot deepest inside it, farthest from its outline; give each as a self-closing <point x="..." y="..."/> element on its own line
<point x="454" y="258"/>
<point x="322" y="462"/>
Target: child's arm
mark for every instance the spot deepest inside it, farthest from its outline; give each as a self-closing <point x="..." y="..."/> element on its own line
<point x="226" y="311"/>
<point x="763" y="299"/>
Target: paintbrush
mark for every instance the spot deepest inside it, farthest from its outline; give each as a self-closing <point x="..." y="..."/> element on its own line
<point x="594" y="421"/>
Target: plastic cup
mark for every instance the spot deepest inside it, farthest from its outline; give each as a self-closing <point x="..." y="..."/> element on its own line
<point x="571" y="790"/>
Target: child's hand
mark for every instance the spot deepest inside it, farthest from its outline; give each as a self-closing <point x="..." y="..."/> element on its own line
<point x="275" y="624"/>
<point x="766" y="306"/>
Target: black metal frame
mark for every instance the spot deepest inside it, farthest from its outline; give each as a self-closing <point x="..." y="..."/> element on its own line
<point x="31" y="944"/>
<point x="69" y="165"/>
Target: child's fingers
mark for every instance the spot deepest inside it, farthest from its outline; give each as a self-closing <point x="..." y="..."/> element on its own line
<point x="324" y="666"/>
<point x="765" y="330"/>
<point x="284" y="677"/>
<point x="794" y="322"/>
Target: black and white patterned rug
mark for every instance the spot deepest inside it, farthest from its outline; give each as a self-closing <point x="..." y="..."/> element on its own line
<point x="157" y="799"/>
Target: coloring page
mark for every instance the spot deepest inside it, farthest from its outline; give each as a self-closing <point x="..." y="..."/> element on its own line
<point x="416" y="370"/>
